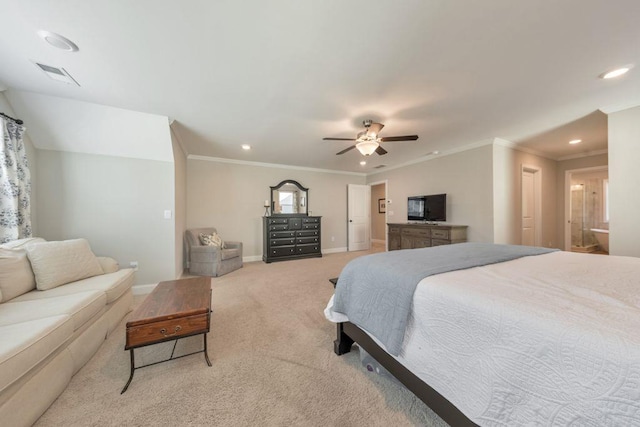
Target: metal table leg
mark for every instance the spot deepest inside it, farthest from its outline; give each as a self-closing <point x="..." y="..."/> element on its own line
<point x="133" y="369"/>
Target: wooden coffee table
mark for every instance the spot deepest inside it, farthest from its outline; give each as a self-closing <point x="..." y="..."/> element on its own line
<point x="174" y="309"/>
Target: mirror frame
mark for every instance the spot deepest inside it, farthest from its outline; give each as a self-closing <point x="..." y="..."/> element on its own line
<point x="297" y="184"/>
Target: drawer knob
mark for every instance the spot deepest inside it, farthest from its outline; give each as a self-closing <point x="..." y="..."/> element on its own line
<point x="177" y="329"/>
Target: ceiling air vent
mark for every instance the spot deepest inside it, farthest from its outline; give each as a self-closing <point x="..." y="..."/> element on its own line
<point x="380" y="166"/>
<point x="59" y="74"/>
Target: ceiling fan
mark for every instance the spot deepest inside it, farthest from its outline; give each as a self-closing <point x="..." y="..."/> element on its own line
<point x="368" y="142"/>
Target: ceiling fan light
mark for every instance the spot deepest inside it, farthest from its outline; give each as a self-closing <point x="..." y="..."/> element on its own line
<point x="367" y="148"/>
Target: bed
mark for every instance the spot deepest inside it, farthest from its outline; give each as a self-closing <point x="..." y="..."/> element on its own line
<point x="550" y="338"/>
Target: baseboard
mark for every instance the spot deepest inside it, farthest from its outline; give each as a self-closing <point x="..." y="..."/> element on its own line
<point x="378" y="241"/>
<point x="333" y="250"/>
<point x="252" y="258"/>
<point x="143" y="289"/>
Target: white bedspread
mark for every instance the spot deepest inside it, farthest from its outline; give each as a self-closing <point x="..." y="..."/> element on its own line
<point x="550" y="340"/>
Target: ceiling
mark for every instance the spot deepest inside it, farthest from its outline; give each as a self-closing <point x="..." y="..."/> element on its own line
<point x="281" y="75"/>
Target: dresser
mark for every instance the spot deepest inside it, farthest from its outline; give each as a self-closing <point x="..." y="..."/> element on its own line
<point x="287" y="237"/>
<point x="411" y="236"/>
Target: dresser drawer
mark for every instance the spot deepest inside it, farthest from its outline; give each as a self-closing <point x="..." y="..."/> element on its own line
<point x="295" y="224"/>
<point x="167" y="330"/>
<point x="282" y="251"/>
<point x="278" y="227"/>
<point x="282" y="234"/>
<point x="303" y="240"/>
<point x="283" y="242"/>
<point x="439" y="234"/>
<point x="307" y="249"/>
<point x="394" y="229"/>
<point x="416" y="232"/>
<point x="308" y="233"/>
<point x="310" y="220"/>
<point x="278" y="221"/>
<point x="439" y="242"/>
<point x="310" y="226"/>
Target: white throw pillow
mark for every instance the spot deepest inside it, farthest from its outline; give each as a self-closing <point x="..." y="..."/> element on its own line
<point x="57" y="263"/>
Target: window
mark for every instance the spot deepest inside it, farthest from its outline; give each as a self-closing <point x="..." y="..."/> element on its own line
<point x="286" y="201"/>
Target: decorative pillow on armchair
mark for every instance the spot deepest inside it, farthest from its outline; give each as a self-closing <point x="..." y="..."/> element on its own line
<point x="211" y="240"/>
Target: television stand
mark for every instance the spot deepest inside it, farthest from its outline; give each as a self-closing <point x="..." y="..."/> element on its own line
<point x="424" y="235"/>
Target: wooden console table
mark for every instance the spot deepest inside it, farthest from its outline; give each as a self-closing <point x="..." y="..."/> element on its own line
<point x="422" y="235"/>
<point x="173" y="310"/>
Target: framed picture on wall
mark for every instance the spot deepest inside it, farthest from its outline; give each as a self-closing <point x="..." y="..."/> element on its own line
<point x="382" y="206"/>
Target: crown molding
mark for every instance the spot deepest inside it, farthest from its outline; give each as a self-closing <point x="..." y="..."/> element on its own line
<point x="619" y="107"/>
<point x="270" y="165"/>
<point x="585" y="154"/>
<point x="444" y="153"/>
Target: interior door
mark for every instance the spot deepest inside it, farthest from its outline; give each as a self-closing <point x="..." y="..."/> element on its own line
<point x="359" y="217"/>
<point x="531" y="207"/>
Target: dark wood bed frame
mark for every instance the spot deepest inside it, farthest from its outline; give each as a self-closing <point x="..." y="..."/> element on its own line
<point x="348" y="333"/>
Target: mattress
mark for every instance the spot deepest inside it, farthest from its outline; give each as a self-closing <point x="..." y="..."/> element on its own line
<point x="549" y="340"/>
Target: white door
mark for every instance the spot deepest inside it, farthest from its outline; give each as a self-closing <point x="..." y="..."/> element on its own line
<point x="359" y="217"/>
<point x="531" y="209"/>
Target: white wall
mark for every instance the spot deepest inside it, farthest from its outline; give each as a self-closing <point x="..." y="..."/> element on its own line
<point x="507" y="192"/>
<point x="81" y="127"/>
<point x="466" y="177"/>
<point x="6" y="108"/>
<point x="230" y="197"/>
<point x="116" y="203"/>
<point x="624" y="182"/>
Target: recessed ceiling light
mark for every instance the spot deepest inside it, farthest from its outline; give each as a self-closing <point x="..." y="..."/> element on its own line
<point x="362" y="163"/>
<point x="246" y="147"/>
<point x="56" y="40"/>
<point x="575" y="141"/>
<point x="615" y="73"/>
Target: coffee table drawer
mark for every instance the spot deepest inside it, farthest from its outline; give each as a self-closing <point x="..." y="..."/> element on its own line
<point x="166" y="330"/>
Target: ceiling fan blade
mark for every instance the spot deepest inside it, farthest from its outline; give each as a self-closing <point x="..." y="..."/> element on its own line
<point x="376" y="127"/>
<point x="381" y="151"/>
<point x="345" y="150"/>
<point x="338" y="139"/>
<point x="399" y="138"/>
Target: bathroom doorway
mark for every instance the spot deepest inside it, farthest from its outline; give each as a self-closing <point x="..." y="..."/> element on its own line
<point x="587" y="216"/>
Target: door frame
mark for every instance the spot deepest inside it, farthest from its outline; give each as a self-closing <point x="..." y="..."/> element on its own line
<point x="537" y="188"/>
<point x="567" y="199"/>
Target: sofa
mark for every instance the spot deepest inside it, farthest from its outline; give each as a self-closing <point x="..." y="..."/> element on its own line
<point x="58" y="303"/>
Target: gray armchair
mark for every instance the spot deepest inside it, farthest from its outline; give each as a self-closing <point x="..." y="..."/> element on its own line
<point x="205" y="260"/>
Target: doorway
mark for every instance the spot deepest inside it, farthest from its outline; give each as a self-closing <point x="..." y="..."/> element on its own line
<point x="587" y="210"/>
<point x="379" y="215"/>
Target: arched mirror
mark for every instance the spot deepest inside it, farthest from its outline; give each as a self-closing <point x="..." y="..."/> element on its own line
<point x="289" y="198"/>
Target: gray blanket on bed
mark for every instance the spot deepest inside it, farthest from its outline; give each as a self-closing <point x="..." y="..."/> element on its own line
<point x="376" y="291"/>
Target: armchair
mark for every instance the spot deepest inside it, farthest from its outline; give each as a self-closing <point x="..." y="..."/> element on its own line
<point x="203" y="260"/>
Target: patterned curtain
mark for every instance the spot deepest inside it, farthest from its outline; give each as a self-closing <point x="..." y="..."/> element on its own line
<point x="15" y="184"/>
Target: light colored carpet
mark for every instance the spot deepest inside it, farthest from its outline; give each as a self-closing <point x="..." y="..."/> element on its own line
<point x="273" y="365"/>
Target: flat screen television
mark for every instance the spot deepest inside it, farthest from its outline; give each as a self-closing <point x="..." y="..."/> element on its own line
<point x="427" y="208"/>
<point x="435" y="207"/>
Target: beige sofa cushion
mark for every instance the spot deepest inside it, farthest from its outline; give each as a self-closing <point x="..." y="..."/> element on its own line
<point x="16" y="277"/>
<point x="57" y="263"/>
<point x="114" y="285"/>
<point x="81" y="306"/>
<point x="25" y="344"/>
